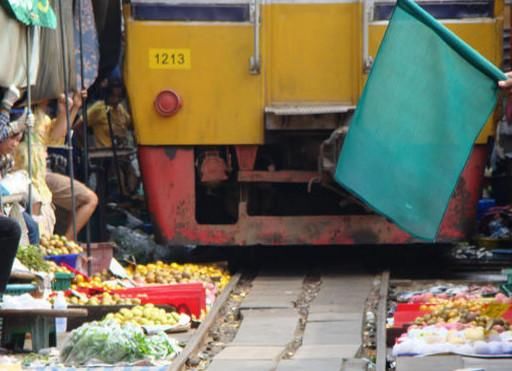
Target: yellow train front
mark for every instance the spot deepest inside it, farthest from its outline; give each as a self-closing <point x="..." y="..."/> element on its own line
<point x="240" y="108"/>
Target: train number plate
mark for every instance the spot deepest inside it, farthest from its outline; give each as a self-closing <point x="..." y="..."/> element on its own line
<point x="169" y="59"/>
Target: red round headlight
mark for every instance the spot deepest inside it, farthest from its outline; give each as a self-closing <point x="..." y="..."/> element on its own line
<point x="167" y="103"/>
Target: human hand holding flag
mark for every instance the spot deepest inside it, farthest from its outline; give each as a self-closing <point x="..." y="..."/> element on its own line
<point x="506" y="85"/>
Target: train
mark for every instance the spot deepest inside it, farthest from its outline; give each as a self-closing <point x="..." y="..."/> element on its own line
<point x="240" y="108"/>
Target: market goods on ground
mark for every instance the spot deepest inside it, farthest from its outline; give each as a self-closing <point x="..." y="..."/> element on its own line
<point x="109" y="342"/>
<point x="59" y="245"/>
<point x="147" y="315"/>
<point x="464" y="319"/>
<point x="168" y="273"/>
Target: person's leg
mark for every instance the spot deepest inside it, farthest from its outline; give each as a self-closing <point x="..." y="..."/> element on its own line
<point x="33" y="229"/>
<point x="10" y="233"/>
<point x="86" y="204"/>
<point x="86" y="200"/>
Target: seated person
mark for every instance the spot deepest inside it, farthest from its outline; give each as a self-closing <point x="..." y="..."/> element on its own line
<point x="85" y="200"/>
<point x="19" y="181"/>
<point x="120" y="118"/>
<point x="60" y="185"/>
<point x="10" y="231"/>
<point x="10" y="234"/>
<point x="54" y="187"/>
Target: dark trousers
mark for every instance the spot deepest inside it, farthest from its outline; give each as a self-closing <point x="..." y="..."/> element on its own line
<point x="10" y="233"/>
<point x="33" y="229"/>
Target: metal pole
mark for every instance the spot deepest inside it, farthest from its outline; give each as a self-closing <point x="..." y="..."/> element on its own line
<point x="114" y="148"/>
<point x="29" y="118"/>
<point x="85" y="153"/>
<point x="68" y="121"/>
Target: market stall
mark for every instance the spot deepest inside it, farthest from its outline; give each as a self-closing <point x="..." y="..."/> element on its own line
<point x="141" y="307"/>
<point x="446" y="318"/>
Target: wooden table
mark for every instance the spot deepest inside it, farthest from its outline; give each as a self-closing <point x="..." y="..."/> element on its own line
<point x="39" y="322"/>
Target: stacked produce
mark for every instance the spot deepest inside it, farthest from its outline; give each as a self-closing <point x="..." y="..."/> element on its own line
<point x="162" y="273"/>
<point x="461" y="310"/>
<point x="94" y="282"/>
<point x="54" y="268"/>
<point x="101" y="299"/>
<point x="59" y="245"/>
<point x="109" y="342"/>
<point x="147" y="315"/>
<point x="32" y="256"/>
<point x="447" y="291"/>
<point x="457" y="319"/>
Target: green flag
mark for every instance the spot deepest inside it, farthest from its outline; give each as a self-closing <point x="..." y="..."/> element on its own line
<point x="427" y="98"/>
<point x="32" y="12"/>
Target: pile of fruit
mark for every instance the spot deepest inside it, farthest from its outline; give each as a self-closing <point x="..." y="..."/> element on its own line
<point x="94" y="282"/>
<point x="54" y="268"/>
<point x="147" y="315"/>
<point x="59" y="245"/>
<point x="162" y="273"/>
<point x="459" y="319"/>
<point x="471" y="312"/>
<point x="102" y="299"/>
<point x="448" y="291"/>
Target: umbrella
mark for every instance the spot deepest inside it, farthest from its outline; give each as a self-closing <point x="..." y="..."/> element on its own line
<point x="32" y="12"/>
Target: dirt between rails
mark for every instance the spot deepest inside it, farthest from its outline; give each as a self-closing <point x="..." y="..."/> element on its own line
<point x="224" y="329"/>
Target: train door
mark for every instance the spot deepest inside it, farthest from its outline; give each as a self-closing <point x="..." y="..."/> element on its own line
<point x="200" y="52"/>
<point x="312" y="55"/>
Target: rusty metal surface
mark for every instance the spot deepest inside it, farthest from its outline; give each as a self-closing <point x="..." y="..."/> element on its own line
<point x="170" y="188"/>
<point x="460" y="219"/>
<point x="213" y="168"/>
<point x="282" y="176"/>
<point x="246" y="156"/>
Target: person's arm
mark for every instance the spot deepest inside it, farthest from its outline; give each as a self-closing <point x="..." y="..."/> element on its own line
<point x="59" y="123"/>
<point x="6" y="129"/>
<point x="78" y="99"/>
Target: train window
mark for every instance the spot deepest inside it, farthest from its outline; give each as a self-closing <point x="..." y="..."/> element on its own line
<point x="192" y="10"/>
<point x="441" y="9"/>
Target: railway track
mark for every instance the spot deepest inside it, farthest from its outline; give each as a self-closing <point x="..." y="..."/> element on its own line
<point x="299" y="321"/>
<point x="313" y="318"/>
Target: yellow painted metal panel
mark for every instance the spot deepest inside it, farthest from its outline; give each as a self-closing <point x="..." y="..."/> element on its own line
<point x="313" y="52"/>
<point x="222" y="101"/>
<point x="485" y="35"/>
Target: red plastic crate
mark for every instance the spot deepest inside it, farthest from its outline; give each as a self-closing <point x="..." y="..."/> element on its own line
<point x="177" y="287"/>
<point x="187" y="298"/>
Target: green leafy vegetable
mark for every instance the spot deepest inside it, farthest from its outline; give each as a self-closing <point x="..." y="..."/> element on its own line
<point x="32" y="257"/>
<point x="109" y="342"/>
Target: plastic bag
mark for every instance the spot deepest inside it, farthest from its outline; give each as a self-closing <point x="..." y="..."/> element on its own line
<point x="134" y="244"/>
<point x="25" y="301"/>
<point x="17" y="183"/>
